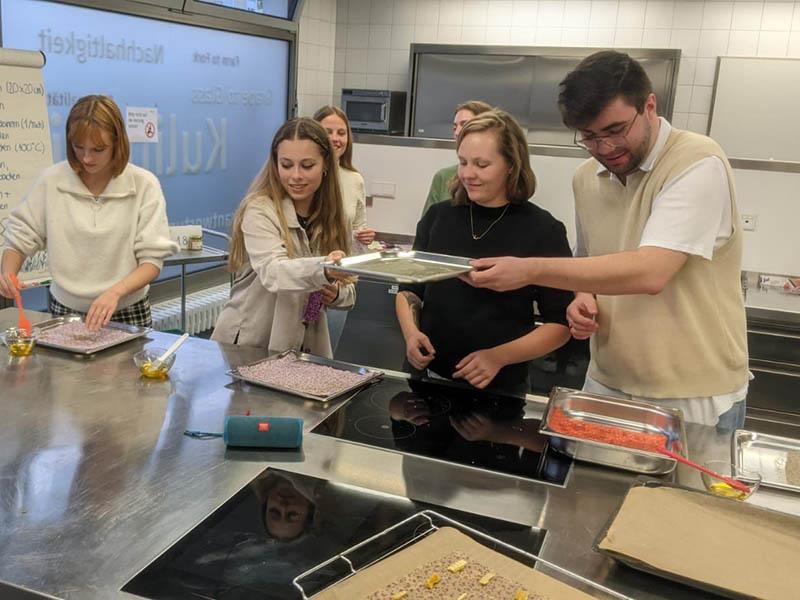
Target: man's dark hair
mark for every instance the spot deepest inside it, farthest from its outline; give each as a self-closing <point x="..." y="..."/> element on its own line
<point x="597" y="81"/>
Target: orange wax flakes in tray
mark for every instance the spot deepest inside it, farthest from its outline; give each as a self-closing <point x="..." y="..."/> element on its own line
<point x="454" y="577"/>
<point x="561" y="422"/>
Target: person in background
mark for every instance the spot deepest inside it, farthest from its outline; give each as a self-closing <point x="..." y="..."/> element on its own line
<point x="102" y="220"/>
<point x="481" y="336"/>
<point x="351" y="182"/>
<point x="440" y="184"/>
<point x="291" y="216"/>
<point x="657" y="279"/>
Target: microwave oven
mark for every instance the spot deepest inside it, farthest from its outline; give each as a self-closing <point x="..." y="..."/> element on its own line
<point x="375" y="111"/>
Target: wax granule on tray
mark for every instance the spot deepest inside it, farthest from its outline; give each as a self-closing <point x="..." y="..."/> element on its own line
<point x="432" y="580"/>
<point x="76" y="335"/>
<point x="457" y="566"/>
<point x="521" y="595"/>
<point x="460" y="585"/>
<point x="302" y="376"/>
<point x="399" y="595"/>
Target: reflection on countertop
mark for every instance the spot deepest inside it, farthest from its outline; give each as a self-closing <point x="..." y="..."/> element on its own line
<point x="99" y="480"/>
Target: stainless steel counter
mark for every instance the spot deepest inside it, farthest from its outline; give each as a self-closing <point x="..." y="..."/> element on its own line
<point x="772" y="305"/>
<point x="97" y="478"/>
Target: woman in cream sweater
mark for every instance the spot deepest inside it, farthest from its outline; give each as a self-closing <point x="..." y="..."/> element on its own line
<point x="102" y="220"/>
<point x="353" y="195"/>
<point x="335" y="123"/>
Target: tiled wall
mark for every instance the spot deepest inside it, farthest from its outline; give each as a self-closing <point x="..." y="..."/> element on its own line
<point x="315" y="54"/>
<point x="373" y="36"/>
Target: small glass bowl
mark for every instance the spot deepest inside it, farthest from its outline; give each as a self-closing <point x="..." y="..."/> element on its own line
<point x="718" y="487"/>
<point x="144" y="362"/>
<point x="18" y="342"/>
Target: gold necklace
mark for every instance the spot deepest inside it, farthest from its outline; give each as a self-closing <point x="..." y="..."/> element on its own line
<point x="492" y="224"/>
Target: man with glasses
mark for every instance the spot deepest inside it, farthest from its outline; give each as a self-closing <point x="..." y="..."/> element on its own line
<point x="658" y="266"/>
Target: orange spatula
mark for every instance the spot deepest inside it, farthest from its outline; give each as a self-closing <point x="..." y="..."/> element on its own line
<point x="24" y="324"/>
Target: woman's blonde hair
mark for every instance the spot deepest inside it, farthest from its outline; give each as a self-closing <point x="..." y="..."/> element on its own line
<point x="328" y="230"/>
<point x="512" y="144"/>
<point x="346" y="160"/>
<point x="88" y="117"/>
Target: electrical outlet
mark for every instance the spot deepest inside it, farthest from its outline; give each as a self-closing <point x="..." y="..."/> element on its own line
<point x="749" y="222"/>
<point x="382" y="189"/>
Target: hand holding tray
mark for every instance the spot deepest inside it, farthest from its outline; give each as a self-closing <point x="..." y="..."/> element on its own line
<point x="403" y="266"/>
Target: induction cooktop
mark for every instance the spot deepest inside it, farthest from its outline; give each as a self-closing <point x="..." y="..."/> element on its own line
<point x="453" y="423"/>
<point x="282" y="524"/>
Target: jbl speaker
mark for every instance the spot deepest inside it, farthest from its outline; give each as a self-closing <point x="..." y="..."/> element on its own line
<point x="263" y="432"/>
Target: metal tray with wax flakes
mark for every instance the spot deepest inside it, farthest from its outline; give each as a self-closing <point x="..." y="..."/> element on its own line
<point x="627" y="415"/>
<point x="403" y="266"/>
<point x="133" y="332"/>
<point x="776" y="458"/>
<point x="369" y="375"/>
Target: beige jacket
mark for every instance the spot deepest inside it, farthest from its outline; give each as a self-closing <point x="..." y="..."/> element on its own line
<point x="270" y="291"/>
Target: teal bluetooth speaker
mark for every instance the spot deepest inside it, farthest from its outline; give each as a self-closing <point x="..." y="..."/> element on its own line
<point x="263" y="432"/>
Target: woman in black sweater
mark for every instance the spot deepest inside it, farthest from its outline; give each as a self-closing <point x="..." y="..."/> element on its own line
<point x="461" y="332"/>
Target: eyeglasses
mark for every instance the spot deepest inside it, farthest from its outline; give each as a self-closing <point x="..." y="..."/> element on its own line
<point x="612" y="140"/>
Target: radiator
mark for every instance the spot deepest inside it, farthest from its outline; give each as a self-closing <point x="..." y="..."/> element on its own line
<point x="202" y="310"/>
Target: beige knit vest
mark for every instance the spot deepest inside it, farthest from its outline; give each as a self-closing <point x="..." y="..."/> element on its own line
<point x="690" y="340"/>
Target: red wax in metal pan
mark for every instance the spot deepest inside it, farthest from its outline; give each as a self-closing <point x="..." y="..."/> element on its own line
<point x="560" y="422"/>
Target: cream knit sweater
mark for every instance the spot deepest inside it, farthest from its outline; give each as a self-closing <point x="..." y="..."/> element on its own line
<point x="92" y="242"/>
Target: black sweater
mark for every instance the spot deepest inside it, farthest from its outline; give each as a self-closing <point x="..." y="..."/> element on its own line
<point x="460" y="319"/>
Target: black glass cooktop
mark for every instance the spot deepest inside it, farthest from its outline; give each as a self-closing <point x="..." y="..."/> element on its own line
<point x="437" y="419"/>
<point x="282" y="524"/>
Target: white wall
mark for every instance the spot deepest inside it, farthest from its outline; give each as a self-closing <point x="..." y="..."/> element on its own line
<point x="372" y="39"/>
<point x="774" y="247"/>
<point x="373" y="36"/>
<point x="315" y="55"/>
<point x="410" y="171"/>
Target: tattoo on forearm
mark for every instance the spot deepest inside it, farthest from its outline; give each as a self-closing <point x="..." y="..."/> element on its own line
<point x="414" y="304"/>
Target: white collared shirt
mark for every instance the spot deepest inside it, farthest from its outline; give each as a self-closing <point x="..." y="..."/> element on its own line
<point x="691" y="214"/>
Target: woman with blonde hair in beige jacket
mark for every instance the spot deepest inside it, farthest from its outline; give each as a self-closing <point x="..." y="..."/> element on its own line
<point x="290" y="219"/>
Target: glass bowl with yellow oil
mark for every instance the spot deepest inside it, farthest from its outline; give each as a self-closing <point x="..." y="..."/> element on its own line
<point x="20" y="342"/>
<point x="146" y="362"/>
<point x="718" y="487"/>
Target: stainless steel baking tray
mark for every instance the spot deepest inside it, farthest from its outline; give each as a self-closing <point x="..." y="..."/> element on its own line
<point x="134" y="330"/>
<point x="776" y="458"/>
<point x="371" y="375"/>
<point x="403" y="266"/>
<point x="418" y="526"/>
<point x="617" y="412"/>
